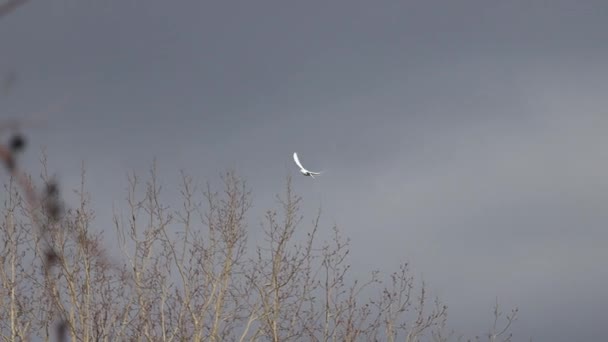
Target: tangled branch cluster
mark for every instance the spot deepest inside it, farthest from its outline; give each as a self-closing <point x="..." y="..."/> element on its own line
<point x="46" y="211"/>
<point x="49" y="200"/>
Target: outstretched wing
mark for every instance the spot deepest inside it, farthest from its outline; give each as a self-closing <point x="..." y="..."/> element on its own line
<point x="297" y="160"/>
<point x="315" y="173"/>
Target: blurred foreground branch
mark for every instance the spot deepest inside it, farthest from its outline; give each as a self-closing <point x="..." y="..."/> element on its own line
<point x="9" y="6"/>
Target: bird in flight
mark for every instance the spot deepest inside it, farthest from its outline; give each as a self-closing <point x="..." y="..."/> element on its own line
<point x="302" y="169"/>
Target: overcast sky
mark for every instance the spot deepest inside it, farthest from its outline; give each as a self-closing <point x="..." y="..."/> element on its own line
<point x="467" y="137"/>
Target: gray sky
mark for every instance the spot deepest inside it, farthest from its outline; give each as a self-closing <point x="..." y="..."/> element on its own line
<point x="467" y="137"/>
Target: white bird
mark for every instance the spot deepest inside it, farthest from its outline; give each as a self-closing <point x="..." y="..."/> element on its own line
<point x="302" y="169"/>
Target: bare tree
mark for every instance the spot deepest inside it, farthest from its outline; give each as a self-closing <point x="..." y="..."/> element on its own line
<point x="186" y="273"/>
<point x="16" y="299"/>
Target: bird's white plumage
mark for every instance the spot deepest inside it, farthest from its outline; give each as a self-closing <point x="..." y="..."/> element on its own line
<point x="302" y="169"/>
<point x="297" y="160"/>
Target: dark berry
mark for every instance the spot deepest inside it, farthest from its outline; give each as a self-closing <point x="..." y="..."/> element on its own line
<point x="51" y="257"/>
<point x="52" y="189"/>
<point x="17" y="143"/>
